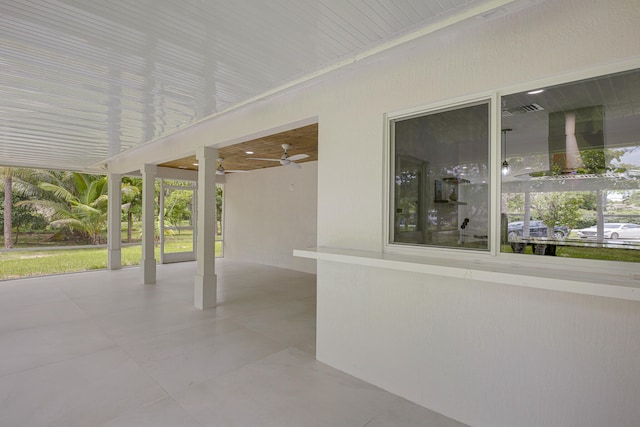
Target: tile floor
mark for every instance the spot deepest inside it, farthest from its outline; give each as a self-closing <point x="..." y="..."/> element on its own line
<point x="100" y="349"/>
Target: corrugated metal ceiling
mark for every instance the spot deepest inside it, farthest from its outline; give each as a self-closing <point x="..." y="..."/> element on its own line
<point x="81" y="80"/>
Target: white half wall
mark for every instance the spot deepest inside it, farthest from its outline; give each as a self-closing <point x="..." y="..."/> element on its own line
<point x="485" y="354"/>
<point x="270" y="212"/>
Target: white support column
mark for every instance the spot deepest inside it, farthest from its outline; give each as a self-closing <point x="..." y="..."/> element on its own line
<point x="205" y="287"/>
<point x="114" y="240"/>
<point x="148" y="262"/>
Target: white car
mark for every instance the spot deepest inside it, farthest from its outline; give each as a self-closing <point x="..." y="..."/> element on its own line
<point x="612" y="230"/>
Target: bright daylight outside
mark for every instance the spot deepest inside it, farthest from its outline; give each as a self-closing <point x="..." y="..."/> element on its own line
<point x="571" y="169"/>
<point x="56" y="221"/>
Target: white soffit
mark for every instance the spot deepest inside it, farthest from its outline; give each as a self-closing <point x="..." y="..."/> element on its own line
<point x="85" y="80"/>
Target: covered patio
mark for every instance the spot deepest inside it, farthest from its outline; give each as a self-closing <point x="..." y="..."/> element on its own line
<point x="315" y="304"/>
<point x="96" y="348"/>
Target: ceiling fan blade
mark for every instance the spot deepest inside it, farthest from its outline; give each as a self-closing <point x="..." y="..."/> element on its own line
<point x="260" y="158"/>
<point x="236" y="171"/>
<point x="298" y="157"/>
<point x="295" y="165"/>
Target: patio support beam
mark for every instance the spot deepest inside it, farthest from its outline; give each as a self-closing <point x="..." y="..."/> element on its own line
<point x="114" y="240"/>
<point x="205" y="286"/>
<point x="148" y="262"/>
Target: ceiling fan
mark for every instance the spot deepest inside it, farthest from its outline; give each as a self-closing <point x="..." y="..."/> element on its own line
<point x="285" y="159"/>
<point x="220" y="170"/>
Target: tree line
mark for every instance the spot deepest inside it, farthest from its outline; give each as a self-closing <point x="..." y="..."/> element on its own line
<point x="72" y="206"/>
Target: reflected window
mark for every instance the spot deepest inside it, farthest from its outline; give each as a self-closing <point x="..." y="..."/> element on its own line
<point x="573" y="187"/>
<point x="440" y="191"/>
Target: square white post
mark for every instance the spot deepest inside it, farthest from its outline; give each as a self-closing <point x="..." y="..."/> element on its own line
<point x="148" y="262"/>
<point x="114" y="209"/>
<point x="205" y="287"/>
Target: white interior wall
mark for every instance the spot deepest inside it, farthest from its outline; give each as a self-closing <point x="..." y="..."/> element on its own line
<point x="270" y="212"/>
<point x="488" y="355"/>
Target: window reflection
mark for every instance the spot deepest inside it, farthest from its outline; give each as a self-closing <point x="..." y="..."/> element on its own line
<point x="574" y="185"/>
<point x="441" y="190"/>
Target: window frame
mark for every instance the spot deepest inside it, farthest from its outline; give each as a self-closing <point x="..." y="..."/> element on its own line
<point x="490" y="99"/>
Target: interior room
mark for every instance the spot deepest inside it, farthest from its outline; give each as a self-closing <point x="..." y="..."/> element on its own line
<point x="381" y="282"/>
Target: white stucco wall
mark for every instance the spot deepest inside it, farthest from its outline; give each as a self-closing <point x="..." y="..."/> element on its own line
<point x="482" y="353"/>
<point x="270" y="212"/>
<point x="487" y="355"/>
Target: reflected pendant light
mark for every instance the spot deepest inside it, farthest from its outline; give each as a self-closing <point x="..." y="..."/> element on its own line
<point x="505" y="165"/>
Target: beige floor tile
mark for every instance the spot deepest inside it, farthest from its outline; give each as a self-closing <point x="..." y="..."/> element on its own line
<point x="84" y="391"/>
<point x="183" y="358"/>
<point x="36" y="315"/>
<point x="285" y="389"/>
<point x="30" y="348"/>
<point x="164" y="413"/>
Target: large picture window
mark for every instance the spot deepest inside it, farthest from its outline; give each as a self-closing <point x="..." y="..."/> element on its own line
<point x="440" y="189"/>
<point x="571" y="176"/>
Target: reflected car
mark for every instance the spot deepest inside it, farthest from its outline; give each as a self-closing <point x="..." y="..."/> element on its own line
<point x="536" y="229"/>
<point x="612" y="230"/>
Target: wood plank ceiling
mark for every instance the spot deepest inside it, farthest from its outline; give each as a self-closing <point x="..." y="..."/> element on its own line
<point x="303" y="140"/>
<point x="84" y="80"/>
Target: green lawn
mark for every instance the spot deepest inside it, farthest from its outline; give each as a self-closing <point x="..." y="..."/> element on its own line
<point x="608" y="254"/>
<point x="17" y="263"/>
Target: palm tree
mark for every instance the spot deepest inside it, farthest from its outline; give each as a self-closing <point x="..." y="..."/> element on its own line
<point x="131" y="190"/>
<point x="74" y="201"/>
<point x="8" y="205"/>
<point x="8" y="175"/>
